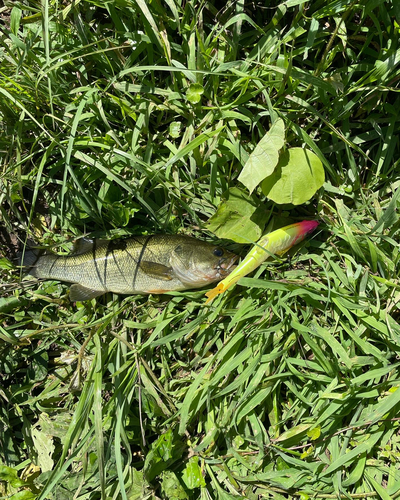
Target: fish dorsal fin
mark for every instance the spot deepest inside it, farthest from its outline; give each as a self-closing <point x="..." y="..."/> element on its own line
<point x="155" y="270"/>
<point x="81" y="293"/>
<point x="83" y="245"/>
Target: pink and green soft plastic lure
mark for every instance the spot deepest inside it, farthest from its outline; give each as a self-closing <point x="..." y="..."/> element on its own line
<point x="275" y="243"/>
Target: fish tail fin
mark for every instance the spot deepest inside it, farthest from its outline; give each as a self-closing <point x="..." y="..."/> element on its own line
<point x="28" y="257"/>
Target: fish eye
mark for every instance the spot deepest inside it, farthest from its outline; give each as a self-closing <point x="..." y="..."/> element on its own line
<point x="218" y="252"/>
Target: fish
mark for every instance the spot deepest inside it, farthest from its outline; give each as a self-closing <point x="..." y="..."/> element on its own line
<point x="138" y="265"/>
<point x="276" y="243"/>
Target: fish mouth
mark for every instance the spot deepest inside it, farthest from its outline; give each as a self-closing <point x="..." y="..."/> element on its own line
<point x="226" y="266"/>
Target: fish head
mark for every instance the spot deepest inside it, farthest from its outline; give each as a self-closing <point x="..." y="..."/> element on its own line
<point x="197" y="263"/>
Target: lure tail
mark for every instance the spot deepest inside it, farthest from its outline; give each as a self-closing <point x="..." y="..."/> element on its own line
<point x="220" y="288"/>
<point x="276" y="243"/>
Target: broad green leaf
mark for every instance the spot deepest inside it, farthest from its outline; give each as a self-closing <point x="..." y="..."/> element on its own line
<point x="10" y="476"/>
<point x="56" y="426"/>
<point x="45" y="448"/>
<point x="7" y="304"/>
<point x="315" y="433"/>
<point x="167" y="449"/>
<point x="175" y="129"/>
<point x="192" y="475"/>
<point x="264" y="158"/>
<point x="163" y="446"/>
<point x="139" y="488"/>
<point x="23" y="495"/>
<point x="236" y="218"/>
<point x="297" y="177"/>
<point x="171" y="487"/>
<point x="194" y="93"/>
<point x="281" y="464"/>
<point x="15" y="19"/>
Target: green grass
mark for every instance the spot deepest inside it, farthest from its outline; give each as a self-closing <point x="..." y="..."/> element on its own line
<point x="287" y="386"/>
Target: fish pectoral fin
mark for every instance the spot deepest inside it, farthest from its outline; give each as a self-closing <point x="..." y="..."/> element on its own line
<point x="81" y="293"/>
<point x="156" y="270"/>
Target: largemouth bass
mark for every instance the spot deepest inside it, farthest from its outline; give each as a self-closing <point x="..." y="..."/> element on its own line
<point x="143" y="264"/>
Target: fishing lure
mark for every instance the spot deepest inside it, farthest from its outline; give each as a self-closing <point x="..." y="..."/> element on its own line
<point x="276" y="243"/>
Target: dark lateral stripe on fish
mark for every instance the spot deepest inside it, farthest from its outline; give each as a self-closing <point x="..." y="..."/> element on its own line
<point x="146" y="242"/>
<point x="95" y="262"/>
<point x="112" y="249"/>
<point x="57" y="258"/>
